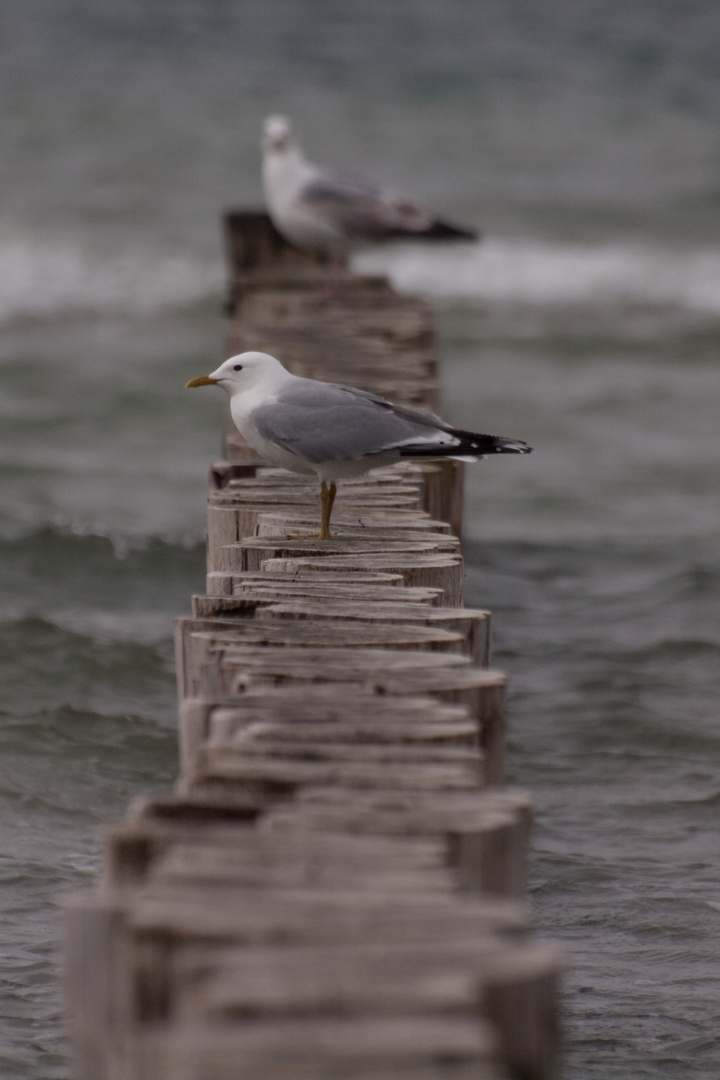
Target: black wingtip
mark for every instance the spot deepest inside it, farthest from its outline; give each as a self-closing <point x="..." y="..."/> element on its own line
<point x="484" y="445"/>
<point x="512" y="446"/>
<point x="444" y="230"/>
<point x="468" y="446"/>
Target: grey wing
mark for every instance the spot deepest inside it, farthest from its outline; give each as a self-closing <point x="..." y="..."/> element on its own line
<point x="362" y="209"/>
<point x="325" y="422"/>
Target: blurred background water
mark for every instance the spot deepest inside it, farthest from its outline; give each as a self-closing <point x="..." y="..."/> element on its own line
<point x="584" y="140"/>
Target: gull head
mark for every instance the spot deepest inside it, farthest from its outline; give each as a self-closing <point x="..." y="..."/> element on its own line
<point x="245" y="371"/>
<point x="277" y="134"/>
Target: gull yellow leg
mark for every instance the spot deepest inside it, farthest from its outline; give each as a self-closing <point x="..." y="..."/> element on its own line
<point x="327" y="498"/>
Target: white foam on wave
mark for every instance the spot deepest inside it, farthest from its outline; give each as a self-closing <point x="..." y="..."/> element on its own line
<point x="44" y="279"/>
<point x="40" y="279"/>
<point x="541" y="273"/>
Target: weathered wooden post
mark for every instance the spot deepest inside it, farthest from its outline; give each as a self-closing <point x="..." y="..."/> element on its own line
<point x="335" y="886"/>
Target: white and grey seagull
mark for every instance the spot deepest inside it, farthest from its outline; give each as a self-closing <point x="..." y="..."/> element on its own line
<point x="327" y="212"/>
<point x="335" y="431"/>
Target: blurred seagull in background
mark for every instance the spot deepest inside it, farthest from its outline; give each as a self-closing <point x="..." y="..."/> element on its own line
<point x="321" y="211"/>
<point x="335" y="431"/>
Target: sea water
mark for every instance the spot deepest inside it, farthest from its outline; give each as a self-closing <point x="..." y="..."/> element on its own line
<point x="583" y="140"/>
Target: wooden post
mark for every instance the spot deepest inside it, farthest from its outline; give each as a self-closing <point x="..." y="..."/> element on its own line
<point x="335" y="885"/>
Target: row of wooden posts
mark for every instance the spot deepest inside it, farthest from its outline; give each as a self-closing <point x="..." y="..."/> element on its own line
<point x="335" y="889"/>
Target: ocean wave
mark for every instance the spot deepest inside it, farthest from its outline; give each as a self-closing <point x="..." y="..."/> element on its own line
<point x="40" y="279"/>
<point x="94" y="586"/>
<point x="540" y="273"/>
<point x="87" y="542"/>
<point x="45" y="279"/>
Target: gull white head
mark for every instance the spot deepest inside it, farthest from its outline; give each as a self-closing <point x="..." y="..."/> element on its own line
<point x="277" y="134"/>
<point x="244" y="372"/>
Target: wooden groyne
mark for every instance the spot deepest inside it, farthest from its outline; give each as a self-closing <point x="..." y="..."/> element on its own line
<point x="335" y="888"/>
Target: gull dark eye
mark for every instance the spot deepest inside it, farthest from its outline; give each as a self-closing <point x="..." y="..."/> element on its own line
<point x="237" y="367"/>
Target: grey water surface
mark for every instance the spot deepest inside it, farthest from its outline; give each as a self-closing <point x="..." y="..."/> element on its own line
<point x="584" y="140"/>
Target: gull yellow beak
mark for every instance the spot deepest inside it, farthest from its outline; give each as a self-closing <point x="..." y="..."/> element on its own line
<point x="201" y="380"/>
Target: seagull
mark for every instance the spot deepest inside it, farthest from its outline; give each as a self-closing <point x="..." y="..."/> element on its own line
<point x="335" y="431"/>
<point x="330" y="213"/>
